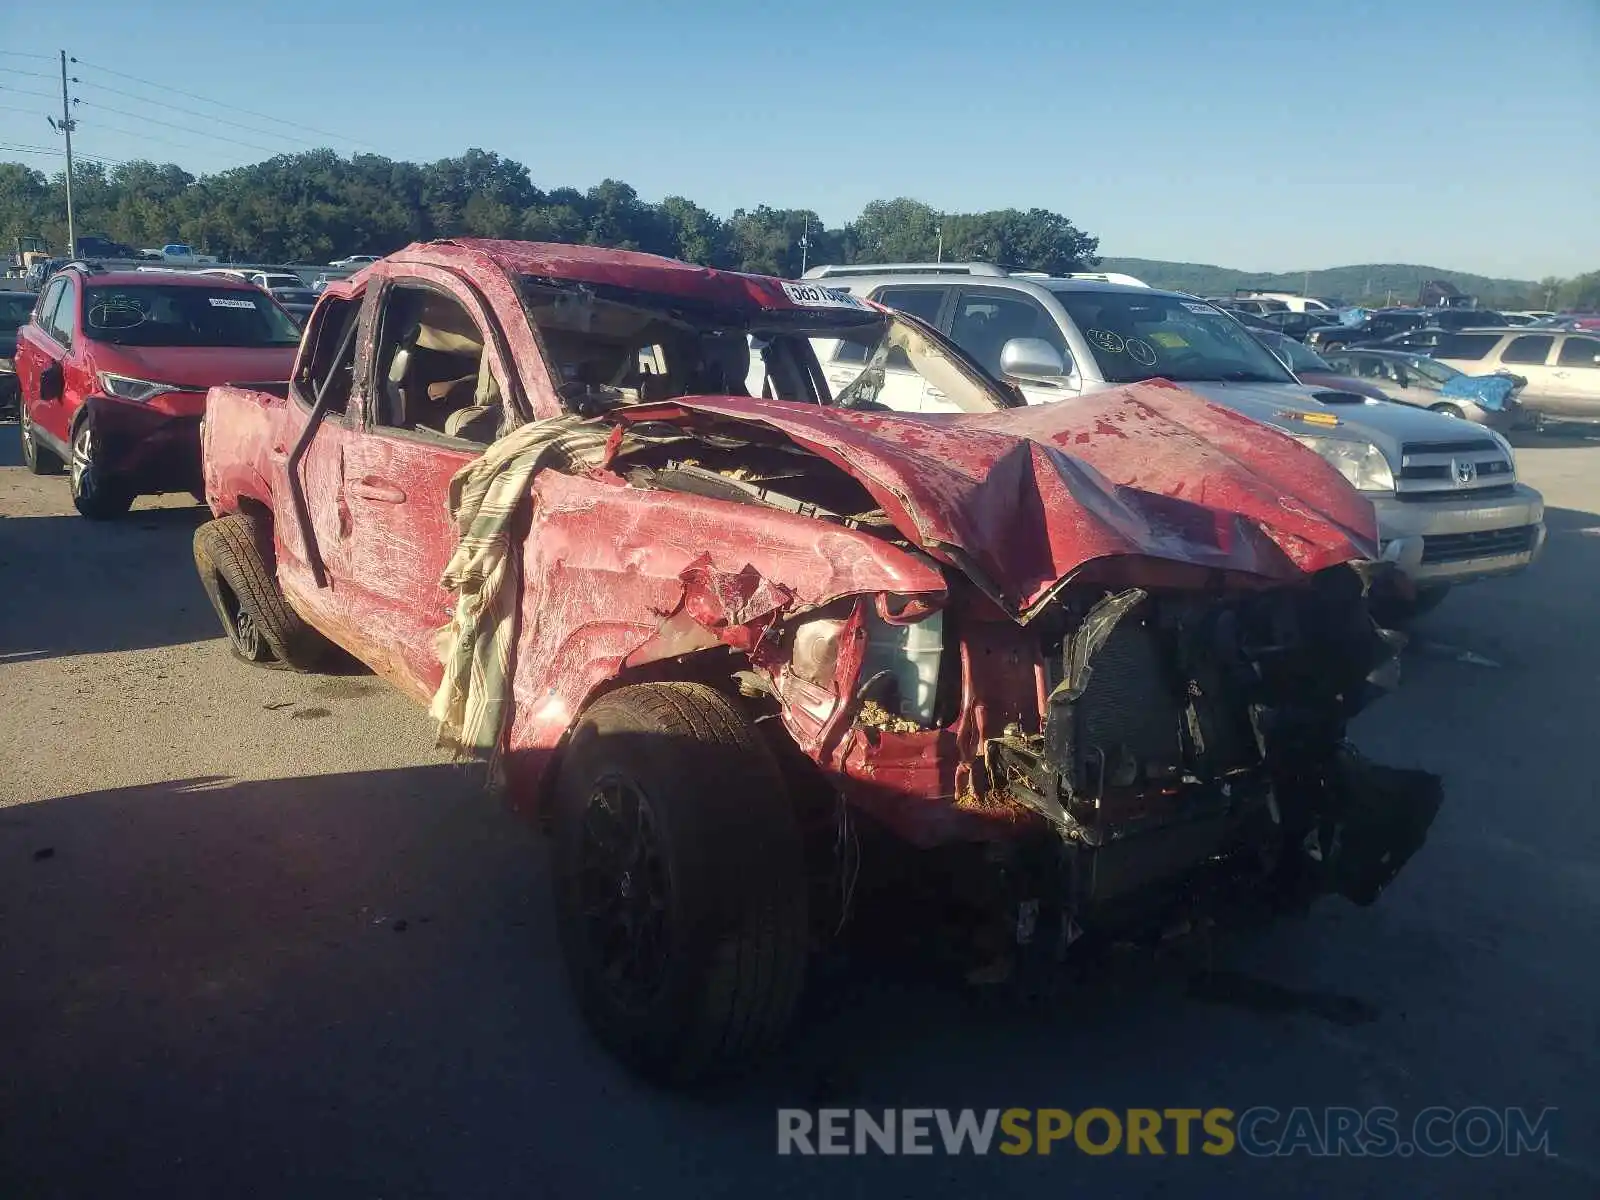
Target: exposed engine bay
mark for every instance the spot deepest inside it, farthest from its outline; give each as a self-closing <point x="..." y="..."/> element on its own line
<point x="1189" y="731"/>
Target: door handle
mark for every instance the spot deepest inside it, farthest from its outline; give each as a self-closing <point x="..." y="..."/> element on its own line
<point x="376" y="489"/>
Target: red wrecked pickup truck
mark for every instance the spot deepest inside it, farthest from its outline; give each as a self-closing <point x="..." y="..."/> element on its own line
<point x="1092" y="661"/>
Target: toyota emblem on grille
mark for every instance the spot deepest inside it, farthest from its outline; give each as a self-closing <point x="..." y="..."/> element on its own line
<point x="1464" y="470"/>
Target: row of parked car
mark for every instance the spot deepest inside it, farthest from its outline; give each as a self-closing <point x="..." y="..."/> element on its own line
<point x="1064" y="579"/>
<point x="1553" y="359"/>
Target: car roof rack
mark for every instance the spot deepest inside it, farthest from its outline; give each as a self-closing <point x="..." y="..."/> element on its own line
<point x="840" y="271"/>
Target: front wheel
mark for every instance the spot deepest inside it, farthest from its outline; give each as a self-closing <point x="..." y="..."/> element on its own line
<point x="96" y="494"/>
<point x="1449" y="410"/>
<point x="679" y="879"/>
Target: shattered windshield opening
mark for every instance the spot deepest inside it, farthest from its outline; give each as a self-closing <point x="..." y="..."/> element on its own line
<point x="908" y="350"/>
<point x="607" y="346"/>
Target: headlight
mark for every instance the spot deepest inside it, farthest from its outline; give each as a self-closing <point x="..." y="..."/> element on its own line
<point x="125" y="387"/>
<point x="6" y="367"/>
<point x="1362" y="463"/>
<point x="1511" y="455"/>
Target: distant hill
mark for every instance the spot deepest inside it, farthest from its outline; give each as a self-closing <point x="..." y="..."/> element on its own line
<point x="1373" y="282"/>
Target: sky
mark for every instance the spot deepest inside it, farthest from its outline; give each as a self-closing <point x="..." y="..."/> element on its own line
<point x="1260" y="134"/>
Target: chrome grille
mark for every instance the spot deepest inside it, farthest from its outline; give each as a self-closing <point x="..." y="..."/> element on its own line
<point x="1439" y="470"/>
<point x="1487" y="543"/>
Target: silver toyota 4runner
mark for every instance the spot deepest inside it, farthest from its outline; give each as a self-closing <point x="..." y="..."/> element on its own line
<point x="1450" y="508"/>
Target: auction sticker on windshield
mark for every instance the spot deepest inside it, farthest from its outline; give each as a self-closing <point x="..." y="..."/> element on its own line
<point x="812" y="296"/>
<point x="219" y="302"/>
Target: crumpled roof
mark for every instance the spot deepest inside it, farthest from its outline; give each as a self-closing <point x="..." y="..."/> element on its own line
<point x="619" y="268"/>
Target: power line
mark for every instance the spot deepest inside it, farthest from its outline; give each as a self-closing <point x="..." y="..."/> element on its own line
<point x="56" y="153"/>
<point x="192" y="112"/>
<point x="11" y="91"/>
<point x="220" y="104"/>
<point x="33" y="74"/>
<point x="24" y="54"/>
<point x="98" y="124"/>
<point x="216" y="137"/>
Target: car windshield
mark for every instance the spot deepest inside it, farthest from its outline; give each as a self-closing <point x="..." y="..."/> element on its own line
<point x="15" y="308"/>
<point x="609" y="345"/>
<point x="1429" y="369"/>
<point x="178" y="315"/>
<point x="1301" y="357"/>
<point x="1153" y="336"/>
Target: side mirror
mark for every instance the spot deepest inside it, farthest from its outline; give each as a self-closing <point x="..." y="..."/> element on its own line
<point x="52" y="383"/>
<point x="1033" y="358"/>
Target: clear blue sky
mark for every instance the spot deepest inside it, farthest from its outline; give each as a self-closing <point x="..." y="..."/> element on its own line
<point x="1265" y="134"/>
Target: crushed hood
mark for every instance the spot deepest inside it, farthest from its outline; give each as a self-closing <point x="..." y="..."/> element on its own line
<point x="1127" y="480"/>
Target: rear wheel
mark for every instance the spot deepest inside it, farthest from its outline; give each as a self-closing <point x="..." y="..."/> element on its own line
<point x="679" y="881"/>
<point x="35" y="457"/>
<point x="234" y="558"/>
<point x="96" y="494"/>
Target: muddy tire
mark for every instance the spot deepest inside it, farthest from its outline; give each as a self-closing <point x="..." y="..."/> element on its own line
<point x="234" y="557"/>
<point x="38" y="459"/>
<point x="679" y="881"/>
<point x="96" y="493"/>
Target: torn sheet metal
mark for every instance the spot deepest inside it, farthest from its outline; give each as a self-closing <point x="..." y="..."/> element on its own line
<point x="1023" y="498"/>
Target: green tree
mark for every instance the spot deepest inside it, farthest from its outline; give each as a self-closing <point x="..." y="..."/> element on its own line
<point x="1580" y="293"/>
<point x="315" y="205"/>
<point x="899" y="230"/>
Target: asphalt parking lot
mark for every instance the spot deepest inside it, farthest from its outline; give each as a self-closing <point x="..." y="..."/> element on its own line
<point x="257" y="938"/>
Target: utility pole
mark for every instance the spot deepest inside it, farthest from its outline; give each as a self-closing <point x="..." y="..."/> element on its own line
<point x="805" y="244"/>
<point x="1305" y="288"/>
<point x="938" y="232"/>
<point x="65" y="128"/>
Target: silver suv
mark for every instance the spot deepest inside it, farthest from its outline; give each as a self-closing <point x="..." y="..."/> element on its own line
<point x="1449" y="506"/>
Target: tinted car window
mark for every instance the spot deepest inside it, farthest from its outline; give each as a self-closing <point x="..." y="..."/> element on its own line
<point x="1471" y="346"/>
<point x="64" y="320"/>
<point x="15" y="309"/>
<point x="1580" y="352"/>
<point x="985" y="321"/>
<point x="1531" y="349"/>
<point x="1467" y="318"/>
<point x="1396" y="322"/>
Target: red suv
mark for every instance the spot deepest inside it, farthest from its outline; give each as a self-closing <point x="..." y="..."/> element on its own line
<point x="113" y="369"/>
